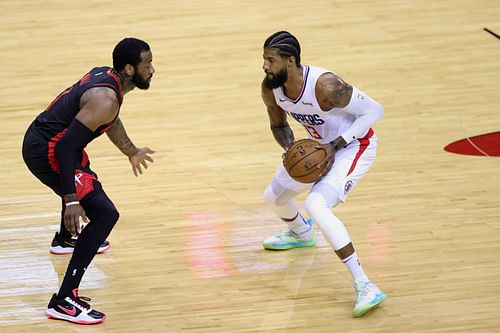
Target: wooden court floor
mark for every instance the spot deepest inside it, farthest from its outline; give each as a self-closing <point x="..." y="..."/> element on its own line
<point x="186" y="255"/>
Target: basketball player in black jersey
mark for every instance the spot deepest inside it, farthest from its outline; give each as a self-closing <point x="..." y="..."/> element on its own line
<point x="53" y="150"/>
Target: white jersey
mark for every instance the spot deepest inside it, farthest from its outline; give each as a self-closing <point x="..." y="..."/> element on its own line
<point x="323" y="126"/>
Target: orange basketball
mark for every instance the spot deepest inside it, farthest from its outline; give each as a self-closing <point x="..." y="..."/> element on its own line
<point x="302" y="159"/>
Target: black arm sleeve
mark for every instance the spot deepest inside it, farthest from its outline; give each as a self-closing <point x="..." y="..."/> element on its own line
<point x="68" y="150"/>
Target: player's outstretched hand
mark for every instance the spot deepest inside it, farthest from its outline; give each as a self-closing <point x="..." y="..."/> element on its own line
<point x="139" y="158"/>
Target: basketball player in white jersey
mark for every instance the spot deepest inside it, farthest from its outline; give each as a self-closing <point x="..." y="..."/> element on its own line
<point x="339" y="117"/>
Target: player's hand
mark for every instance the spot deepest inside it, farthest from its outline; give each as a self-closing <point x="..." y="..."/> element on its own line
<point x="72" y="216"/>
<point x="283" y="156"/>
<point x="329" y="158"/>
<point x="139" y="158"/>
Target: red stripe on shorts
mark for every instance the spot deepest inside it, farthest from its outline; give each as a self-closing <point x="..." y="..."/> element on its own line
<point x="363" y="144"/>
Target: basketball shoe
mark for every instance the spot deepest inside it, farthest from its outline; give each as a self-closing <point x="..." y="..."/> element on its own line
<point x="288" y="239"/>
<point x="61" y="245"/>
<point x="74" y="309"/>
<point x="368" y="296"/>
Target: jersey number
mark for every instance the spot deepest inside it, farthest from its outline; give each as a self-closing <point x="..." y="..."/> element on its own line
<point x="312" y="131"/>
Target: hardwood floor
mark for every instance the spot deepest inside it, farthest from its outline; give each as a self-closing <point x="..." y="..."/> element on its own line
<point x="186" y="255"/>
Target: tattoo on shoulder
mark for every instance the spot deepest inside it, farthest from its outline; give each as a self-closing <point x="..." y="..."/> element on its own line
<point x="103" y="91"/>
<point x="341" y="93"/>
<point x="99" y="93"/>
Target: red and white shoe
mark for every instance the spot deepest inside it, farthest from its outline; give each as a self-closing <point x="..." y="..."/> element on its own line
<point x="61" y="245"/>
<point x="74" y="309"/>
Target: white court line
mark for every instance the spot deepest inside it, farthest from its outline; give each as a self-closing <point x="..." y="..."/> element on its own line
<point x="26" y="230"/>
<point x="26" y="199"/>
<point x="27" y="217"/>
<point x="468" y="137"/>
<point x="477" y="148"/>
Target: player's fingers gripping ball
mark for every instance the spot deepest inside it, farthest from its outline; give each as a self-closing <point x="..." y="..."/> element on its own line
<point x="305" y="161"/>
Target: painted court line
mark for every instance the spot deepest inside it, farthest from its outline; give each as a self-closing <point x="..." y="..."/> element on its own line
<point x="28" y="217"/>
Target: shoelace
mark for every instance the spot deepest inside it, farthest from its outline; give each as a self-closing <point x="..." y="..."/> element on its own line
<point x="80" y="302"/>
<point x="286" y="233"/>
<point x="361" y="288"/>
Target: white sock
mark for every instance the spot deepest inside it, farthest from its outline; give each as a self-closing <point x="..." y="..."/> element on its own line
<point x="354" y="266"/>
<point x="299" y="226"/>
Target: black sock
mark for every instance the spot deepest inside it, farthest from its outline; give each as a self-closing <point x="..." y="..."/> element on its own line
<point x="85" y="250"/>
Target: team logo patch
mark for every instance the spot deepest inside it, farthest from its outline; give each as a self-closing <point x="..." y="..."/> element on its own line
<point x="84" y="183"/>
<point x="348" y="186"/>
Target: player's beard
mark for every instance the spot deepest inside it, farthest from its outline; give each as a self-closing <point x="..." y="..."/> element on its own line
<point x="139" y="82"/>
<point x="277" y="80"/>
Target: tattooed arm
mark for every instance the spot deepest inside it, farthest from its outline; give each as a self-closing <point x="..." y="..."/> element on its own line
<point x="282" y="132"/>
<point x="136" y="156"/>
<point x="119" y="137"/>
<point x="333" y="93"/>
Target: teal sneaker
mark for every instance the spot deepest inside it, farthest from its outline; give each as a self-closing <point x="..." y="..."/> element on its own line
<point x="368" y="296"/>
<point x="288" y="239"/>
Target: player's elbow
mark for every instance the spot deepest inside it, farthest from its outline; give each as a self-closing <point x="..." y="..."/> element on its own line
<point x="62" y="149"/>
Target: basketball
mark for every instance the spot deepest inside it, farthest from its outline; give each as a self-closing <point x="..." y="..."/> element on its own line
<point x="302" y="159"/>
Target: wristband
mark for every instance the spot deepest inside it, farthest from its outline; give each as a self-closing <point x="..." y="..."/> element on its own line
<point x="72" y="203"/>
<point x="338" y="143"/>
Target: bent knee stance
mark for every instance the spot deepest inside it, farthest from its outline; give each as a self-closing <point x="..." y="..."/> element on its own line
<point x="320" y="211"/>
<point x="320" y="200"/>
<point x="102" y="226"/>
<point x="277" y="195"/>
<point x="330" y="195"/>
<point x="103" y="216"/>
<point x="106" y="224"/>
<point x="315" y="205"/>
<point x="268" y="196"/>
<point x="281" y="200"/>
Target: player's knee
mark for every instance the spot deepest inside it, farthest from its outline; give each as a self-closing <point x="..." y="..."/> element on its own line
<point x="329" y="194"/>
<point x="269" y="196"/>
<point x="277" y="195"/>
<point x="114" y="215"/>
<point x="314" y="202"/>
<point x="107" y="220"/>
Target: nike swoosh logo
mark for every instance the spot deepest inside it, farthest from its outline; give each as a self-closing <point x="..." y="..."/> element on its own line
<point x="282" y="100"/>
<point x="68" y="311"/>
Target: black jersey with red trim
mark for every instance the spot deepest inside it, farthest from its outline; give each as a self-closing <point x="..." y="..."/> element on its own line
<point x="60" y="113"/>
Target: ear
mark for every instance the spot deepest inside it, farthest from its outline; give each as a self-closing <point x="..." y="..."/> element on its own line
<point x="129" y="70"/>
<point x="291" y="61"/>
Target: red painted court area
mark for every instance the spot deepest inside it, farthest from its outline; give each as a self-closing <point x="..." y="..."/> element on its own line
<point x="481" y="145"/>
